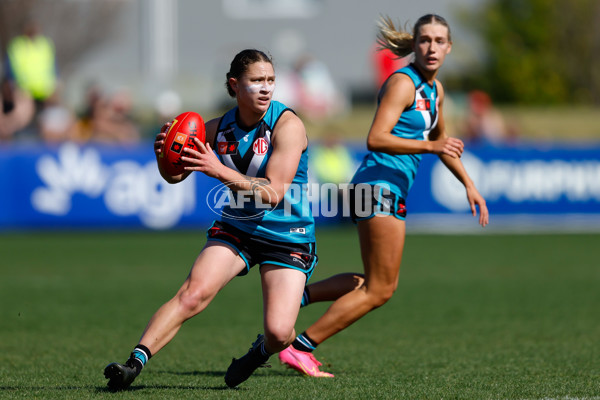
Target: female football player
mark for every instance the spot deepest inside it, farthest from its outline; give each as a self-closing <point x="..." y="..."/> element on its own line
<point x="260" y="151"/>
<point x="408" y="122"/>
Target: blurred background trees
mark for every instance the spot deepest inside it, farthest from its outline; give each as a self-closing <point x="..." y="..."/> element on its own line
<point x="538" y="51"/>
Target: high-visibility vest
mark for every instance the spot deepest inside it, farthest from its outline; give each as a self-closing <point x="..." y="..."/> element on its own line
<point x="33" y="65"/>
<point x="332" y="164"/>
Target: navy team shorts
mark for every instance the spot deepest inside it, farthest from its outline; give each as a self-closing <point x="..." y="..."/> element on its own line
<point x="258" y="250"/>
<point x="367" y="200"/>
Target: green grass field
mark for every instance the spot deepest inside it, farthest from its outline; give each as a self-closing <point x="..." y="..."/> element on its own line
<point x="474" y="317"/>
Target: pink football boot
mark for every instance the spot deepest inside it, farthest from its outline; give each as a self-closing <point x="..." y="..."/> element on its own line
<point x="303" y="362"/>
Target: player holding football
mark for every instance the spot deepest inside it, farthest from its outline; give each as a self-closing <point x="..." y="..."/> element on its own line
<point x="261" y="149"/>
<point x="408" y="122"/>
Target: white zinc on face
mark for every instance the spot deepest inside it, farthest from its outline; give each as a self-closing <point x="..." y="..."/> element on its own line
<point x="261" y="87"/>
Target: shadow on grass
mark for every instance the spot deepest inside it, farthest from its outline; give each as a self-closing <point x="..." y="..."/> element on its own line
<point x="268" y="371"/>
<point x="189" y="373"/>
<point x="104" y="389"/>
<point x="212" y="374"/>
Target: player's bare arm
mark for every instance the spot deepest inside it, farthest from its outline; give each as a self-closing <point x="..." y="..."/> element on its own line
<point x="288" y="141"/>
<point x="399" y="95"/>
<point x="256" y="184"/>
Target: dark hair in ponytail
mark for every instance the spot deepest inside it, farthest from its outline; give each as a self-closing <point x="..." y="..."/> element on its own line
<point x="241" y="62"/>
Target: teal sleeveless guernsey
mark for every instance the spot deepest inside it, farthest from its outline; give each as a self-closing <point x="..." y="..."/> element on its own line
<point x="248" y="151"/>
<point x="398" y="171"/>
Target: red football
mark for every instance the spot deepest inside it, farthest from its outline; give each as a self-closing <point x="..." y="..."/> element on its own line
<point x="184" y="128"/>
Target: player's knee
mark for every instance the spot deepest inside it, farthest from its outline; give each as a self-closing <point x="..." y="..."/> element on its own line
<point x="192" y="301"/>
<point x="385" y="296"/>
<point x="381" y="296"/>
<point x="279" y="337"/>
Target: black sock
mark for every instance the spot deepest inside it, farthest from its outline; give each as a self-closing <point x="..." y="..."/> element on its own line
<point x="140" y="355"/>
<point x="262" y="353"/>
<point x="304" y="343"/>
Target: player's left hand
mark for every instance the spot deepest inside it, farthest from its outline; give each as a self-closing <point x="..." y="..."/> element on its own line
<point x="159" y="141"/>
<point x="476" y="200"/>
<point x="203" y="159"/>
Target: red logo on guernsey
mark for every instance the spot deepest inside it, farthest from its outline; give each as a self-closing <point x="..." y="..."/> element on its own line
<point x="423" y="104"/>
<point x="260" y="147"/>
<point x="227" y="147"/>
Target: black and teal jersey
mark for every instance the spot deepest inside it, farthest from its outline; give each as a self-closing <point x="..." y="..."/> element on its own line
<point x="247" y="150"/>
<point x="399" y="171"/>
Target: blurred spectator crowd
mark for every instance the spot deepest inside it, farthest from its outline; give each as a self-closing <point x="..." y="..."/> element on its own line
<point x="32" y="106"/>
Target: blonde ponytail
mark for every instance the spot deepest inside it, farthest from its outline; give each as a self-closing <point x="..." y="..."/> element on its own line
<point x="394" y="39"/>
